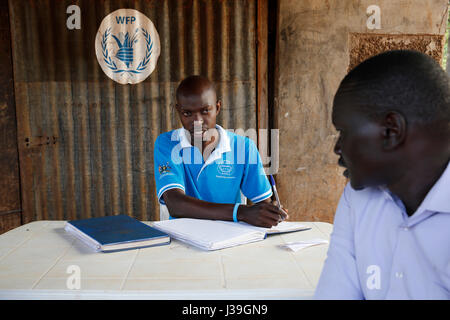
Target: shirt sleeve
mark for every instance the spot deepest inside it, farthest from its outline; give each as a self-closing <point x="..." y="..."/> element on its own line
<point x="255" y="185"/>
<point x="339" y="278"/>
<point x="169" y="171"/>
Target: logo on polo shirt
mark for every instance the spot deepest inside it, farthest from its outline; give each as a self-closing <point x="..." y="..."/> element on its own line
<point x="164" y="168"/>
<point x="225" y="168"/>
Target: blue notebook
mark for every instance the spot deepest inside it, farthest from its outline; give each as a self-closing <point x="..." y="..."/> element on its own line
<point x="113" y="233"/>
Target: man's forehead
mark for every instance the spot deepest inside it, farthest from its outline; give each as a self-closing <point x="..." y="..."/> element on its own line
<point x="195" y="86"/>
<point x="200" y="99"/>
<point x="346" y="105"/>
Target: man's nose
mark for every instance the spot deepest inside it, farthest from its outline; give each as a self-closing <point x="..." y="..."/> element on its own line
<point x="337" y="147"/>
<point x="198" y="118"/>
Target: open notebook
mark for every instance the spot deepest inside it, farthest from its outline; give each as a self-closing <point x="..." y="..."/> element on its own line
<point x="217" y="234"/>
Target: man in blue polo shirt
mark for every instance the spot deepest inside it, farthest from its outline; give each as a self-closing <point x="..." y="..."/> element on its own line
<point x="202" y="170"/>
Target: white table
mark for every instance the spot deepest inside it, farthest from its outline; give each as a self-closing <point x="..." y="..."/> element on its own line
<point x="37" y="260"/>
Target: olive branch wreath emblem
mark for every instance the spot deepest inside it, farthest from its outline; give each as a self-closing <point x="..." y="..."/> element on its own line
<point x="142" y="64"/>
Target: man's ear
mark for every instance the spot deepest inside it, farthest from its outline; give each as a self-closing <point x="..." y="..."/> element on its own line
<point x="178" y="109"/>
<point x="218" y="106"/>
<point x="394" y="130"/>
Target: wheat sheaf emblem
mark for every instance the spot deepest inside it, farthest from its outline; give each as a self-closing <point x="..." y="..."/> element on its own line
<point x="125" y="53"/>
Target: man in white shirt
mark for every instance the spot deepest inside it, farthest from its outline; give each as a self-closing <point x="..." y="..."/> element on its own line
<point x="391" y="236"/>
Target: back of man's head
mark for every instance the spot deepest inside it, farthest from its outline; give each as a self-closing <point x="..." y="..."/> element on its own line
<point x="405" y="81"/>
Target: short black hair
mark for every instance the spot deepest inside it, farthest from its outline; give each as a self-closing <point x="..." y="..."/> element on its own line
<point x="405" y="81"/>
<point x="194" y="84"/>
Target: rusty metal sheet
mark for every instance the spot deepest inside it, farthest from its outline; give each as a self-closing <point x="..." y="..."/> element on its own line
<point x="9" y="170"/>
<point x="86" y="142"/>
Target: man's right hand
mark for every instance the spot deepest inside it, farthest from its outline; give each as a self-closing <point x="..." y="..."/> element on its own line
<point x="261" y="214"/>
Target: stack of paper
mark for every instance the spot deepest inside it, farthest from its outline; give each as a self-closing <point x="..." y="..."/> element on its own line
<point x="216" y="234"/>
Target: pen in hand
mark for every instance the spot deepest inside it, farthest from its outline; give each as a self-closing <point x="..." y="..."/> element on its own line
<point x="272" y="182"/>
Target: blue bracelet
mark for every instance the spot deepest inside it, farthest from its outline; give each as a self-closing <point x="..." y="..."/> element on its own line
<point x="235" y="212"/>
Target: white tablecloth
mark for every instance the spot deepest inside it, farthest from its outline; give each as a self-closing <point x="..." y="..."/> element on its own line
<point x="40" y="260"/>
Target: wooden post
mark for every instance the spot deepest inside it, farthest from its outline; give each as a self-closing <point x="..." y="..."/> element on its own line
<point x="10" y="207"/>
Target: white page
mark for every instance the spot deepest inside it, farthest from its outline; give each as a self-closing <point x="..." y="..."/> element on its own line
<point x="282" y="227"/>
<point x="209" y="234"/>
<point x="92" y="243"/>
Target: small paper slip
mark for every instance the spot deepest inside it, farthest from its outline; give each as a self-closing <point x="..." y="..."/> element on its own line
<point x="295" y="246"/>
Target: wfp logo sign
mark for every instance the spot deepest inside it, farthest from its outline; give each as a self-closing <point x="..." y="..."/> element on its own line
<point x="127" y="46"/>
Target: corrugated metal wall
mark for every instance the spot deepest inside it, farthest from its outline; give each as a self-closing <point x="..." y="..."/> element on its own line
<point x="86" y="142"/>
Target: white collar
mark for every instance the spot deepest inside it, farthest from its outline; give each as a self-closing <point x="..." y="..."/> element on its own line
<point x="222" y="147"/>
<point x="437" y="197"/>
